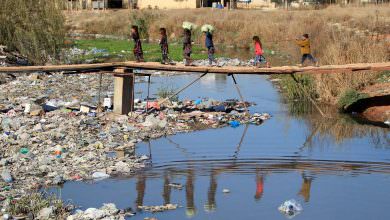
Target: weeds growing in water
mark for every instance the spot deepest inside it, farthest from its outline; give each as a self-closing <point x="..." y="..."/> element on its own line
<point x="34" y="202"/>
<point x="35" y="29"/>
<point x="293" y="91"/>
<point x="166" y="92"/>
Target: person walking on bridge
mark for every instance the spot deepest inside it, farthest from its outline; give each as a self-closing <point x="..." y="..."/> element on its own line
<point x="259" y="58"/>
<point x="187" y="47"/>
<point x="304" y="43"/>
<point x="210" y="46"/>
<point x="164" y="46"/>
<point x="138" y="53"/>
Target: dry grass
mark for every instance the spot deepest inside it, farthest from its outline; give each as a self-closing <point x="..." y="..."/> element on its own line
<point x="339" y="35"/>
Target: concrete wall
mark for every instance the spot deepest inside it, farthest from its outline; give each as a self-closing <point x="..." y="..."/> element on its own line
<point x="168" y="4"/>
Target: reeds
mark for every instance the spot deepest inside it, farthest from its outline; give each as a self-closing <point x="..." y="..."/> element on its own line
<point x="34" y="28"/>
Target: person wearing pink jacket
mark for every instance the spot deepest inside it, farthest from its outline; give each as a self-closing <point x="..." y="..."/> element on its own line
<point x="259" y="58"/>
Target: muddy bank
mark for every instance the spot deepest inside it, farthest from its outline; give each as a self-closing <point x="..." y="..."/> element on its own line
<point x="375" y="108"/>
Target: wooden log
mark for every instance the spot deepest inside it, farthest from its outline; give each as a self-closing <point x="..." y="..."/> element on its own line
<point x="327" y="69"/>
<point x="123" y="91"/>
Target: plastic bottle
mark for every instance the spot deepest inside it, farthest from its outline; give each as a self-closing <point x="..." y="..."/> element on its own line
<point x="58" y="151"/>
<point x="24" y="150"/>
<point x="6" y="175"/>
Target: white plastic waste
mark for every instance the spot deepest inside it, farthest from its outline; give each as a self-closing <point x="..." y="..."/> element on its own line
<point x="290" y="208"/>
<point x="27" y="108"/>
<point x="6" y="176"/>
<point x="226" y="191"/>
<point x="100" y="175"/>
<point x="155" y="122"/>
<point x="107" y="102"/>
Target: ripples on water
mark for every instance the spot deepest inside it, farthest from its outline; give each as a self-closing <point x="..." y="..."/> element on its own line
<point x="337" y="168"/>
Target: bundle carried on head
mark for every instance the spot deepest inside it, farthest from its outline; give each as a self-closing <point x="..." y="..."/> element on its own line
<point x="208" y="28"/>
<point x="188" y="25"/>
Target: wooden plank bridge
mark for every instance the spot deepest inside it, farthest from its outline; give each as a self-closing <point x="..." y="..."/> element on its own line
<point x="201" y="69"/>
<point x="124" y="75"/>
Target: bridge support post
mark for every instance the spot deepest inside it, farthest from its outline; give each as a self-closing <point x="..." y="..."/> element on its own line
<point x="123" y="91"/>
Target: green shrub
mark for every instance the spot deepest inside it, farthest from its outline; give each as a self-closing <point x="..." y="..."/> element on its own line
<point x="350" y="96"/>
<point x="34" y="28"/>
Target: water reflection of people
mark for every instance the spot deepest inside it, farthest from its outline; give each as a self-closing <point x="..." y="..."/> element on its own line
<point x="167" y="190"/>
<point x="191" y="209"/>
<point x="140" y="186"/>
<point x="211" y="201"/>
<point x="259" y="185"/>
<point x="306" y="187"/>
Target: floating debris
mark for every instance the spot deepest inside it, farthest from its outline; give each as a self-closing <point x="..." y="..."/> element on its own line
<point x="160" y="208"/>
<point x="290" y="208"/>
<point x="176" y="186"/>
<point x="226" y="191"/>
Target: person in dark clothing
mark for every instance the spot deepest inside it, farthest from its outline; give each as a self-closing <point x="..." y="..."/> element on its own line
<point x="187" y="47"/>
<point x="164" y="46"/>
<point x="210" y="47"/>
<point x="138" y="53"/>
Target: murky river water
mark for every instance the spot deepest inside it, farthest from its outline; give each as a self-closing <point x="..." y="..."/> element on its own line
<point x="336" y="168"/>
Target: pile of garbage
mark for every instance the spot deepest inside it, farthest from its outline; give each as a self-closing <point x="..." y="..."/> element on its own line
<point x="223" y="61"/>
<point x="52" y="131"/>
<point x="107" y="211"/>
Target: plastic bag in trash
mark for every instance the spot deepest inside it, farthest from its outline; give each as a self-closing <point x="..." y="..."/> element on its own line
<point x="290" y="208"/>
<point x="100" y="176"/>
<point x="234" y="124"/>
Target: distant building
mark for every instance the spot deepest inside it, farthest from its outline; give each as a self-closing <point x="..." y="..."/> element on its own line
<point x="142" y="4"/>
<point x="255" y="4"/>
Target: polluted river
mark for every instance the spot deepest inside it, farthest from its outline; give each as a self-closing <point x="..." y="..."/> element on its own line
<point x="334" y="168"/>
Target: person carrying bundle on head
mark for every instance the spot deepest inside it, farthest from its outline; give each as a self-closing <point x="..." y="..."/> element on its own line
<point x="259" y="58"/>
<point x="138" y="53"/>
<point x="304" y="43"/>
<point x="208" y="32"/>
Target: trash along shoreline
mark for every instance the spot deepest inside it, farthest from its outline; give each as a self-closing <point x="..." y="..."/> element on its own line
<point x="52" y="132"/>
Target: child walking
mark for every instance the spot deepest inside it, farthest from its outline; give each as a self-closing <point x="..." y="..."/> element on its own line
<point x="210" y="46"/>
<point x="164" y="46"/>
<point x="304" y="43"/>
<point x="138" y="53"/>
<point x="187" y="46"/>
<point x="259" y="58"/>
